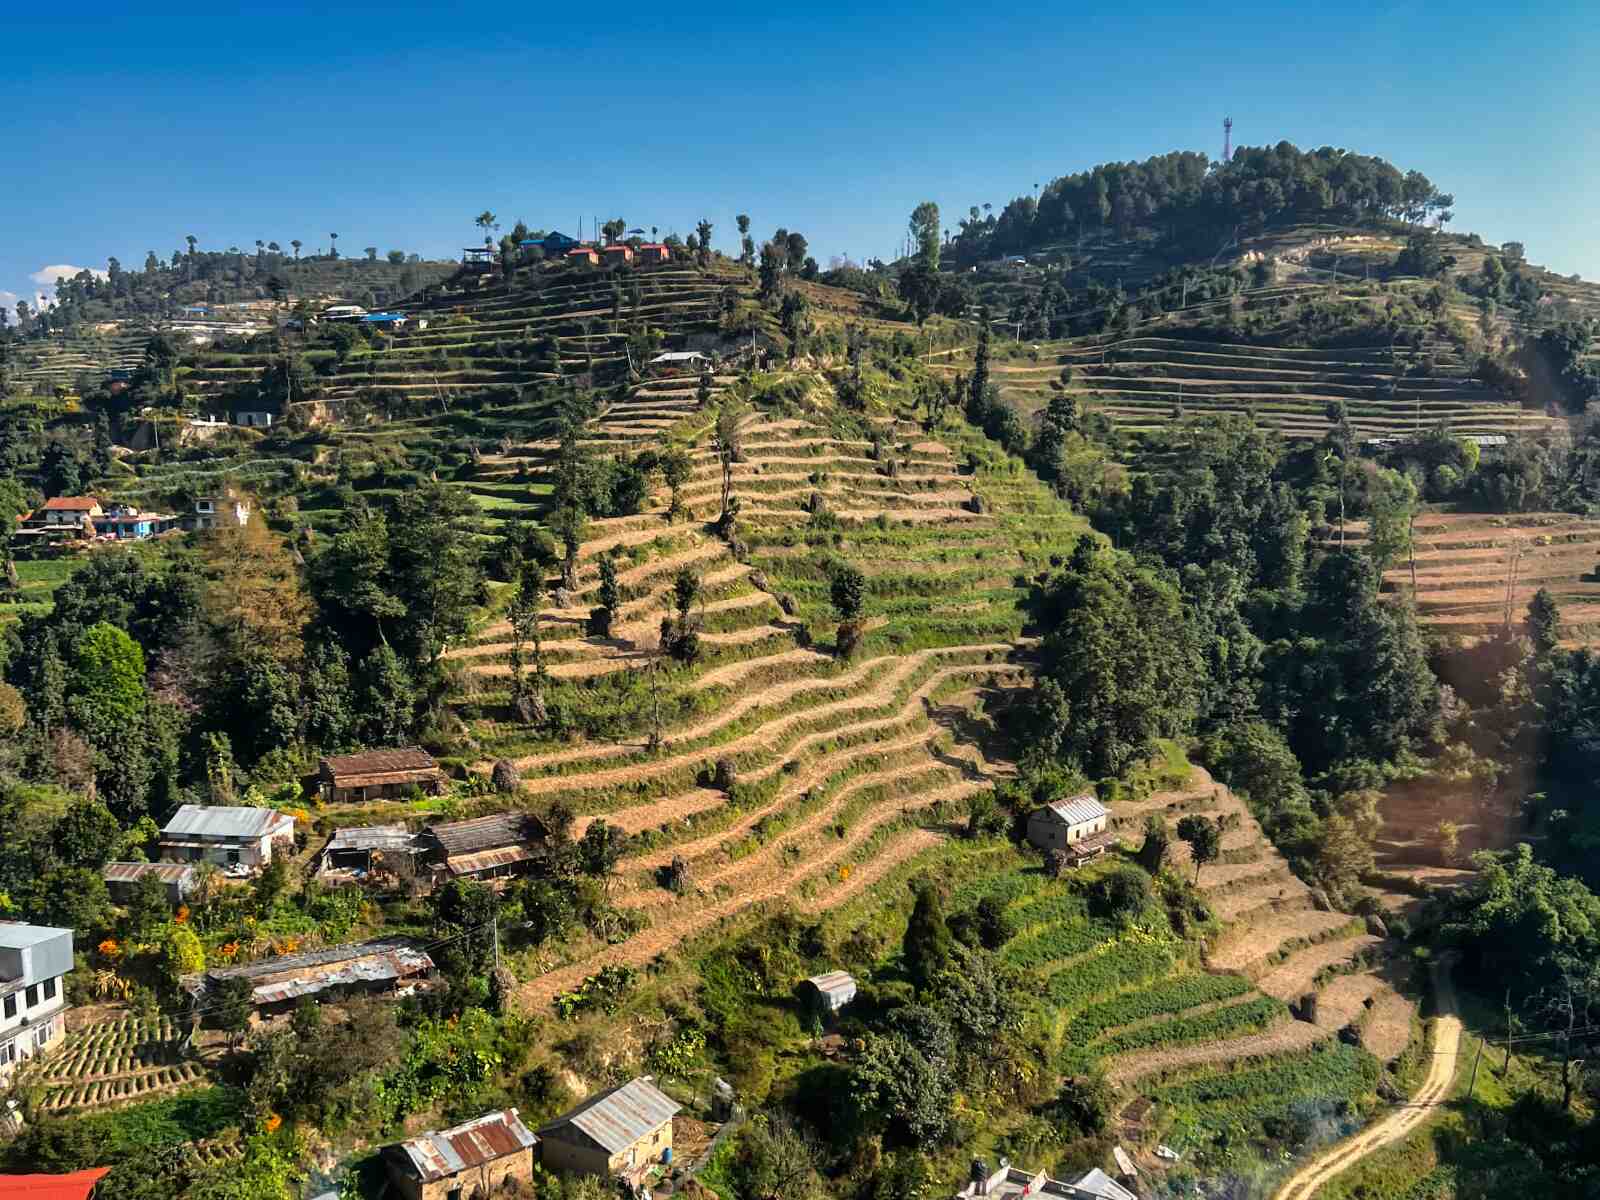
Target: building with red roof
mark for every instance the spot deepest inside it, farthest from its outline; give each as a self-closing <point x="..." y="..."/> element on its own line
<point x="654" y="252"/>
<point x="77" y="1186"/>
<point x="617" y="254"/>
<point x="584" y="254"/>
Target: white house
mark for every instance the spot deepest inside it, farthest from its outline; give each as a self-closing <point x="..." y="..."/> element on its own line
<point x="832" y="990"/>
<point x="218" y="512"/>
<point x="1012" y="1183"/>
<point x="1063" y="823"/>
<point x="225" y="836"/>
<point x="253" y="419"/>
<point x="33" y="1002"/>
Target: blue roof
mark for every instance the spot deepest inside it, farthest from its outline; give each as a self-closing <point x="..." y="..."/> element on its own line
<point x="384" y="317"/>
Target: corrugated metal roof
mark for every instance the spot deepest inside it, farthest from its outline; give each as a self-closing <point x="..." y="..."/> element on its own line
<point x="378" y="762"/>
<point x="831" y="982"/>
<point x="484" y="833"/>
<point x="372" y="837"/>
<point x="292" y="975"/>
<point x="467" y="864"/>
<point x="220" y="821"/>
<point x="617" y="1119"/>
<point x="132" y="872"/>
<point x="1095" y="1184"/>
<point x="439" y="1155"/>
<point x="1077" y="809"/>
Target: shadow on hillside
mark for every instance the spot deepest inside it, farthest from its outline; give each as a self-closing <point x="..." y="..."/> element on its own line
<point x="985" y="731"/>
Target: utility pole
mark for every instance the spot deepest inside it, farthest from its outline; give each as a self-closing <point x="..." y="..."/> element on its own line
<point x="496" y="926"/>
<point x="1471" y="1083"/>
<point x="1506" y="1069"/>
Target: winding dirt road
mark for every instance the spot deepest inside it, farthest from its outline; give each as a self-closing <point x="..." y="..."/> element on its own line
<point x="1435" y="1089"/>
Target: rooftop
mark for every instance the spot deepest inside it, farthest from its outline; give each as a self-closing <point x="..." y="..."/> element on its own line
<point x="832" y="981"/>
<point x="221" y="821"/>
<point x="379" y="762"/>
<point x="14" y="935"/>
<point x="439" y="1155"/>
<point x="132" y="872"/>
<point x="290" y="976"/>
<point x="616" y="1119"/>
<point x="485" y="833"/>
<point x="69" y="504"/>
<point x="1077" y="809"/>
<point x="372" y="837"/>
<point x="77" y="1186"/>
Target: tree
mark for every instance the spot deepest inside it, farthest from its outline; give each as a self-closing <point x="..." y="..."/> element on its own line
<point x="333" y="245"/>
<point x="703" y="233"/>
<point x="747" y="247"/>
<point x="182" y="954"/>
<point x="1393" y="503"/>
<point x="253" y="597"/>
<point x="613" y="229"/>
<point x="296" y="243"/>
<point x="1153" y="852"/>
<point x="569" y="525"/>
<point x="106" y="687"/>
<point x="676" y="470"/>
<point x="928" y="945"/>
<point x="527" y="603"/>
<point x="1123" y="893"/>
<point x="1544" y="623"/>
<point x="1205" y="840"/>
<point x="795" y="247"/>
<point x="235" y="1005"/>
<point x="925" y="233"/>
<point x="847" y="588"/>
<point x="464" y="913"/>
<point x="599" y="849"/>
<point x="772" y="264"/>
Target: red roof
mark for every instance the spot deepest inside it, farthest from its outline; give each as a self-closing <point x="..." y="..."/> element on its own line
<point x="77" y="1186"/>
<point x="581" y="250"/>
<point x="69" y="504"/>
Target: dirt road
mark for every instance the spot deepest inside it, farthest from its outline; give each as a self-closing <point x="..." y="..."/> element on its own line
<point x="1435" y="1089"/>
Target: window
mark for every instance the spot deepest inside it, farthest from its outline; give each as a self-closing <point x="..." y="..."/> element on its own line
<point x="8" y="1054"/>
<point x="32" y="996"/>
<point x="49" y="989"/>
<point x="11" y="1005"/>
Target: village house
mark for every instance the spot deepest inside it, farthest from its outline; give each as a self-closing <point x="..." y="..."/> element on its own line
<point x="478" y="258"/>
<point x="626" y="1131"/>
<point x="359" y="850"/>
<point x="617" y="254"/>
<point x="654" y="252"/>
<point x="33" y="997"/>
<point x="123" y="879"/>
<point x="252" y="418"/>
<point x="226" y="510"/>
<point x="1076" y="825"/>
<point x="830" y="992"/>
<point x="124" y="522"/>
<point x="378" y="775"/>
<point x="78" y="1185"/>
<point x="1010" y="1183"/>
<point x="474" y="1159"/>
<point x="75" y="513"/>
<point x="487" y="849"/>
<point x="227" y="836"/>
<point x="583" y="254"/>
<point x="277" y="984"/>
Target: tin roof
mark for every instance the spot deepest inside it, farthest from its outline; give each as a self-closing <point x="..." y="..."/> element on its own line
<point x="484" y="833"/>
<point x="18" y="935"/>
<point x="616" y="1119"/>
<point x="378" y="762"/>
<point x="833" y="982"/>
<point x="132" y="872"/>
<point x="439" y="1155"/>
<point x="372" y="837"/>
<point x="220" y="821"/>
<point x="505" y="856"/>
<point x="1077" y="809"/>
<point x="77" y="1186"/>
<point x="291" y="976"/>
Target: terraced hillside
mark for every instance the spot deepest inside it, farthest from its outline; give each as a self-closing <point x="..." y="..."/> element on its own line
<point x="1475" y="568"/>
<point x="120" y="1060"/>
<point x="39" y="365"/>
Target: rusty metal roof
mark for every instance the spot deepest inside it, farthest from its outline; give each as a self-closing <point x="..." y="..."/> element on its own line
<point x="291" y="976"/>
<point x="485" y="833"/>
<point x="470" y="864"/>
<point x="439" y="1155"/>
<point x="617" y="1119"/>
<point x="372" y="837"/>
<point x="131" y="872"/>
<point x="377" y="762"/>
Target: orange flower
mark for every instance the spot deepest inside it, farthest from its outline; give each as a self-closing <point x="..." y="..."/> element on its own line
<point x="182" y="915"/>
<point x="110" y="949"/>
<point x="844" y="873"/>
<point x="228" y="949"/>
<point x="273" y="1123"/>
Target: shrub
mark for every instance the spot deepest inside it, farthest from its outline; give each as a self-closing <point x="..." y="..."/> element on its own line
<point x="1122" y="894"/>
<point x="505" y="776"/>
<point x="848" y="640"/>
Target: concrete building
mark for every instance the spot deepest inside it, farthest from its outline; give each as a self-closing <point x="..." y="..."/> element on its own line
<point x="216" y="512"/>
<point x="124" y="878"/>
<point x="378" y="775"/>
<point x="126" y="523"/>
<point x="253" y="418"/>
<point x="626" y="1131"/>
<point x="226" y="836"/>
<point x="71" y="512"/>
<point x="1011" y="1183"/>
<point x="33" y="994"/>
<point x="474" y="1159"/>
<point x="1063" y="824"/>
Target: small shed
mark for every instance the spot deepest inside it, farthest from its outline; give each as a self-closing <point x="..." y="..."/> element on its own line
<point x="625" y="1131"/>
<point x="488" y="848"/>
<point x="584" y="254"/>
<point x="1061" y="823"/>
<point x="123" y="879"/>
<point x="278" y="983"/>
<point x="478" y="258"/>
<point x="378" y="775"/>
<point x="472" y="1159"/>
<point x="654" y="252"/>
<point x="618" y="254"/>
<point x="830" y="991"/>
<point x="363" y="847"/>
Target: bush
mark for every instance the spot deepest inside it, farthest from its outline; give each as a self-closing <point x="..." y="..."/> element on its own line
<point x="848" y="640"/>
<point x="1122" y="894"/>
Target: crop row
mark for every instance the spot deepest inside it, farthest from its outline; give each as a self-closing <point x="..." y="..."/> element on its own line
<point x="1170" y="996"/>
<point x="1215" y="1024"/>
<point x="1119" y="965"/>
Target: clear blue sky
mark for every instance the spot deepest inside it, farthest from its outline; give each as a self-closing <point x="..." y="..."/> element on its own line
<point x="129" y="126"/>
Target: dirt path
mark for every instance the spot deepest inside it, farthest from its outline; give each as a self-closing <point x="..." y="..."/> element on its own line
<point x="1304" y="1183"/>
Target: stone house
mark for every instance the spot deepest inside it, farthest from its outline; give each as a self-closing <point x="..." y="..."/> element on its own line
<point x="625" y="1132"/>
<point x="470" y="1160"/>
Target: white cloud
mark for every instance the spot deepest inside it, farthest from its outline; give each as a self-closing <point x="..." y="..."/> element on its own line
<point x="8" y="301"/>
<point x="47" y="276"/>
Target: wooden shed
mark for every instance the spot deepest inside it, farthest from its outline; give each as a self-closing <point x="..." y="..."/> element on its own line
<point x="378" y="774"/>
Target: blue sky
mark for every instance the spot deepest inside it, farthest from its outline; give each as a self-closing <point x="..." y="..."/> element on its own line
<point x="395" y="125"/>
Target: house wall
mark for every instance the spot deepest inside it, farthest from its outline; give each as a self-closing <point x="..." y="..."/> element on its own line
<point x="484" y="1180"/>
<point x="1049" y="834"/>
<point x="585" y="1159"/>
<point x="46" y="1029"/>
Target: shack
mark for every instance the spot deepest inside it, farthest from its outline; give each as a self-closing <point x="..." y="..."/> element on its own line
<point x="474" y="1159"/>
<point x="488" y="849"/>
<point x="378" y="775"/>
<point x="626" y="1131"/>
<point x="617" y="255"/>
<point x="829" y="992"/>
<point x="360" y="850"/>
<point x="123" y="879"/>
<point x="278" y="983"/>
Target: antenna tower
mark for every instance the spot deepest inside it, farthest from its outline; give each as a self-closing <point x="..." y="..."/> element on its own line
<point x="1227" y="139"/>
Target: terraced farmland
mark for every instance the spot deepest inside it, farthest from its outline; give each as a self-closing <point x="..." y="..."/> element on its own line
<point x="58" y="360"/>
<point x="119" y="1060"/>
<point x="1471" y="565"/>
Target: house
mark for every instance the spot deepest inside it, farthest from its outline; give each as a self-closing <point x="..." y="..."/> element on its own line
<point x="277" y="984"/>
<point x="469" y="1160"/>
<point x="253" y="418"/>
<point x="478" y="258"/>
<point x="343" y="312"/>
<point x="361" y="849"/>
<point x="123" y="879"/>
<point x="673" y="361"/>
<point x="1063" y="823"/>
<point x="226" y="835"/>
<point x="558" y="243"/>
<point x="33" y="994"/>
<point x="483" y="848"/>
<point x="378" y="775"/>
<point x="583" y="254"/>
<point x="625" y="1131"/>
<point x="227" y="510"/>
<point x="1010" y="1183"/>
<point x="71" y="512"/>
<point x="616" y="255"/>
<point x="654" y="252"/>
<point x="124" y="523"/>
<point x="385" y="320"/>
<point x="79" y="1185"/>
<point x="831" y="991"/>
